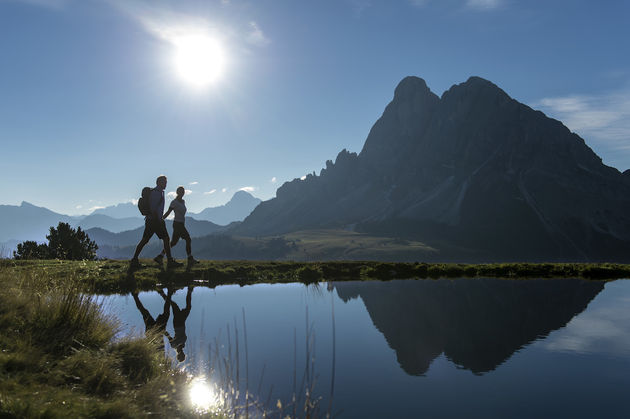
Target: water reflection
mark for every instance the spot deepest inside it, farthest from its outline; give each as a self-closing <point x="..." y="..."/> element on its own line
<point x="179" y="325"/>
<point x="403" y="348"/>
<point x="477" y="324"/>
<point x="159" y="323"/>
<point x="178" y="341"/>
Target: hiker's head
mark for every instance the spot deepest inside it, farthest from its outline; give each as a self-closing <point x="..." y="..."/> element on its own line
<point x="161" y="181"/>
<point x="180" y="192"/>
<point x="181" y="356"/>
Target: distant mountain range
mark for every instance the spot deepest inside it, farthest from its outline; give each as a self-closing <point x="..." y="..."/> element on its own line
<point x="103" y="237"/>
<point x="474" y="174"/>
<point x="29" y="222"/>
<point x="239" y="207"/>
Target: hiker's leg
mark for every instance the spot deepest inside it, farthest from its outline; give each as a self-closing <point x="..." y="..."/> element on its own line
<point x="188" y="247"/>
<point x="139" y="247"/>
<point x="167" y="247"/>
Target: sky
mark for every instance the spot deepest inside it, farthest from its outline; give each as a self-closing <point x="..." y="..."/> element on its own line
<point x="99" y="97"/>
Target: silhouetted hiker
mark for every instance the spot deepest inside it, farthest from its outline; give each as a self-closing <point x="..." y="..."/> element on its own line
<point x="179" y="325"/>
<point x="158" y="324"/>
<point x="154" y="224"/>
<point x="178" y="206"/>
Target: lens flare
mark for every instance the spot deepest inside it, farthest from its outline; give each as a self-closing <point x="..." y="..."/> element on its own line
<point x="202" y="396"/>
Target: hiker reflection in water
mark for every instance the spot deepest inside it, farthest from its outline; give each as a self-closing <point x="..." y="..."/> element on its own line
<point x="158" y="324"/>
<point x="179" y="325"/>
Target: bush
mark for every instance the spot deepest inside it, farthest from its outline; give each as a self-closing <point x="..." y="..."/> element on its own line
<point x="64" y="242"/>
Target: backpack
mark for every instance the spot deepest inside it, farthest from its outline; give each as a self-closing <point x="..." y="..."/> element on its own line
<point x="144" y="203"/>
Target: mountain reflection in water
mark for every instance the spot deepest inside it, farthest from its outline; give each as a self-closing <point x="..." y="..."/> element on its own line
<point x="477" y="324"/>
<point x="409" y="348"/>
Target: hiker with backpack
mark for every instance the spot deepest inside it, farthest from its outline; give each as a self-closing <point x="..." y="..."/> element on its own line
<point x="178" y="206"/>
<point x="151" y="205"/>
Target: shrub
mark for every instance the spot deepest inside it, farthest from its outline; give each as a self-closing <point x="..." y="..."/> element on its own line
<point x="64" y="242"/>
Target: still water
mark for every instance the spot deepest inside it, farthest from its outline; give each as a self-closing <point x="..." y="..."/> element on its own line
<point x="409" y="348"/>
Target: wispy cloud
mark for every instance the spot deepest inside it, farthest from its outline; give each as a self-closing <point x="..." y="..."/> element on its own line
<point x="224" y="190"/>
<point x="79" y="206"/>
<point x="484" y="4"/>
<point x="256" y="35"/>
<point x="171" y="26"/>
<point x="248" y="188"/>
<point x="303" y="177"/>
<point x="602" y="118"/>
<point x="94" y="208"/>
<point x="173" y="194"/>
<point x="602" y="328"/>
<point x="194" y="183"/>
<point x="274" y="180"/>
<point x="210" y="192"/>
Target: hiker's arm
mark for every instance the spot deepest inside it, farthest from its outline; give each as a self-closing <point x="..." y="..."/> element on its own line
<point x="167" y="213"/>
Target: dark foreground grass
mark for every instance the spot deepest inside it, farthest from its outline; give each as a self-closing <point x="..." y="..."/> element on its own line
<point x="114" y="276"/>
<point x="59" y="358"/>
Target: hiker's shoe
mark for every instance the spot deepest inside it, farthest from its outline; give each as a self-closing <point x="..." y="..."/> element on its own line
<point x="158" y="259"/>
<point x="192" y="260"/>
<point x="172" y="263"/>
<point x="134" y="264"/>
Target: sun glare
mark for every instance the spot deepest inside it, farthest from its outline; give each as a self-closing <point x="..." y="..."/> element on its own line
<point x="199" y="60"/>
<point x="202" y="396"/>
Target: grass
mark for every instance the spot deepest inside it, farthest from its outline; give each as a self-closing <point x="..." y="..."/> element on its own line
<point x="59" y="358"/>
<point x="113" y="276"/>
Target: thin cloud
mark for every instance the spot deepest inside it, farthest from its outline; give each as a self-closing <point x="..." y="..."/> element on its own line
<point x="602" y="118"/>
<point x="602" y="328"/>
<point x="483" y="4"/>
<point x="248" y="188"/>
<point x="224" y="190"/>
<point x="256" y="36"/>
<point x="194" y="183"/>
<point x="94" y="208"/>
<point x="210" y="192"/>
<point x="78" y="207"/>
<point x="172" y="194"/>
<point x="274" y="179"/>
<point x="170" y="26"/>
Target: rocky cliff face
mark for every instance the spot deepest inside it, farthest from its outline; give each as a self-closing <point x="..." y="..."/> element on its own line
<point x="474" y="173"/>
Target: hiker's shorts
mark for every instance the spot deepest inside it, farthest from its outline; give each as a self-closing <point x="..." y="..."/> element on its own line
<point x="179" y="231"/>
<point x="152" y="227"/>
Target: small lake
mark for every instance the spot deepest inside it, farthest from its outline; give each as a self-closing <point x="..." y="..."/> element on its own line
<point x="409" y="348"/>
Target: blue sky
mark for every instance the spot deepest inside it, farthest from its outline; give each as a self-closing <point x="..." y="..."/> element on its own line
<point x="92" y="107"/>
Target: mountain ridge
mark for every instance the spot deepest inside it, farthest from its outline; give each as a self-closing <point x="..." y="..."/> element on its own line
<point x="473" y="168"/>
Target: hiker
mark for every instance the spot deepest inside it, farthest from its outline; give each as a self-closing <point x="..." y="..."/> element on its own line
<point x="158" y="324"/>
<point x="154" y="224"/>
<point x="178" y="206"/>
<point x="179" y="325"/>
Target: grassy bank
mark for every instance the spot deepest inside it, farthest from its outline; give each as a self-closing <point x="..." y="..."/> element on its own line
<point x="111" y="276"/>
<point x="59" y="358"/>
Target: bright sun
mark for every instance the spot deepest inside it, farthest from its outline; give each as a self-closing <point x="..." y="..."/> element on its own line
<point x="199" y="60"/>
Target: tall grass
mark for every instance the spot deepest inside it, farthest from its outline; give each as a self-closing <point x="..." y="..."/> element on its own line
<point x="59" y="358"/>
